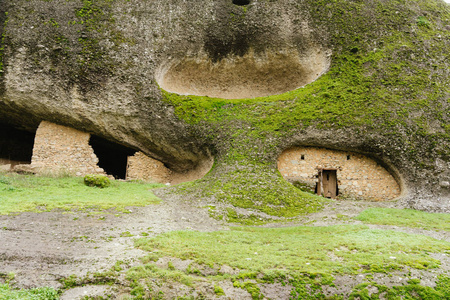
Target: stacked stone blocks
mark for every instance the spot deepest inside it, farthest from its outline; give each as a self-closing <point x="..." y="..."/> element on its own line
<point x="61" y="149"/>
<point x="358" y="176"/>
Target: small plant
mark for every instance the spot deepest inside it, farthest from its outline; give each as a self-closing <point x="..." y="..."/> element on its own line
<point x="8" y="277"/>
<point x="422" y="21"/>
<point x="100" y="181"/>
<point x="126" y="234"/>
<point x="219" y="291"/>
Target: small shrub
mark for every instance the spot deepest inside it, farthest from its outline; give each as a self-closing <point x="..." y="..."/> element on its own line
<point x="219" y="291"/>
<point x="100" y="181"/>
<point x="422" y="21"/>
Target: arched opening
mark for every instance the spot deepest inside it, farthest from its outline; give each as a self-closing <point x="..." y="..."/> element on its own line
<point x="112" y="157"/>
<point x="16" y="146"/>
<point x="241" y="2"/>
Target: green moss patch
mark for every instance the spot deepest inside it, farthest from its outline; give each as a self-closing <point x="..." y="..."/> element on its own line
<point x="8" y="293"/>
<point x="413" y="290"/>
<point x="314" y="250"/>
<point x="406" y="218"/>
<point x="255" y="187"/>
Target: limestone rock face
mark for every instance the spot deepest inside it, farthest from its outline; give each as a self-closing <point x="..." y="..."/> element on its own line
<point x="99" y="66"/>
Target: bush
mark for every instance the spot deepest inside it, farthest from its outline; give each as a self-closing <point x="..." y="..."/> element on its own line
<point x="100" y="181"/>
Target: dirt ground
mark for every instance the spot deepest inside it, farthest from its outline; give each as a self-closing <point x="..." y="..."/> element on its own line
<point x="41" y="248"/>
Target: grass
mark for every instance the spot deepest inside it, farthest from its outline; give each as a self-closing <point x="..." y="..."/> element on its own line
<point x="21" y="193"/>
<point x="305" y="258"/>
<point x="405" y="218"/>
<point x="252" y="186"/>
<point x="341" y="249"/>
<point x="7" y="293"/>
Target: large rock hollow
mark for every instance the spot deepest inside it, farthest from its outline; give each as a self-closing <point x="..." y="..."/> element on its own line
<point x="247" y="76"/>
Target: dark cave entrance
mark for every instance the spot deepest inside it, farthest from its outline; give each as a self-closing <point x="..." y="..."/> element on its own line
<point x="241" y="2"/>
<point x="112" y="157"/>
<point x="16" y="146"/>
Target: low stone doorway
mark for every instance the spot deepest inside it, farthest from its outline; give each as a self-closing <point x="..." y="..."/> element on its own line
<point x="327" y="185"/>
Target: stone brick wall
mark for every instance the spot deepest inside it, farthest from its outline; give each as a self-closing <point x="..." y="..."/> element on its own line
<point x="140" y="166"/>
<point x="61" y="149"/>
<point x="358" y="176"/>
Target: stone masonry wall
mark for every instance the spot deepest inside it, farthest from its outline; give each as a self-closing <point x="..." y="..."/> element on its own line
<point x="61" y="149"/>
<point x="358" y="176"/>
<point x="140" y="166"/>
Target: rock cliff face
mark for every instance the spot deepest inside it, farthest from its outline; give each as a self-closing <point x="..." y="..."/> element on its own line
<point x="370" y="77"/>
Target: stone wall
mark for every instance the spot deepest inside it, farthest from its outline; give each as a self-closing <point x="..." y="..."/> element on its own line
<point x="358" y="176"/>
<point x="140" y="166"/>
<point x="61" y="149"/>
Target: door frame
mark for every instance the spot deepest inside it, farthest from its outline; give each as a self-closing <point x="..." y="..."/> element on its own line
<point x="320" y="190"/>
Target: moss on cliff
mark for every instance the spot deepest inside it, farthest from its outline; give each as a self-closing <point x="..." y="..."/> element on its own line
<point x="388" y="79"/>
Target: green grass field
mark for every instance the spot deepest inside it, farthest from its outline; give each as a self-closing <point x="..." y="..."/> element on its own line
<point x="406" y="218"/>
<point x="20" y="193"/>
<point x="346" y="249"/>
<point x="307" y="258"/>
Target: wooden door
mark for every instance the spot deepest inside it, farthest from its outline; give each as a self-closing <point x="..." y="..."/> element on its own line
<point x="329" y="183"/>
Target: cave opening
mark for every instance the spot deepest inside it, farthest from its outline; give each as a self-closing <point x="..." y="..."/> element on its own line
<point x="112" y="157"/>
<point x="241" y="2"/>
<point x="16" y="146"/>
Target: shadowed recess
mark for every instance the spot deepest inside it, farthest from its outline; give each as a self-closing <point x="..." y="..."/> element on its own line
<point x="241" y="2"/>
<point x="16" y="146"/>
<point x="246" y="76"/>
<point x="113" y="158"/>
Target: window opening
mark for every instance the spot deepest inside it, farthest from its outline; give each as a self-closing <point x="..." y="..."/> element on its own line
<point x="302" y="157"/>
<point x="112" y="157"/>
<point x="348" y="157"/>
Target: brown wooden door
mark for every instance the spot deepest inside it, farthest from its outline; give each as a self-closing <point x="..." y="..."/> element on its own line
<point x="329" y="181"/>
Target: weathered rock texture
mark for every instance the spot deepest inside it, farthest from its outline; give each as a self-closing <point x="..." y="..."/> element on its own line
<point x="358" y="176"/>
<point x="95" y="66"/>
<point x="244" y="77"/>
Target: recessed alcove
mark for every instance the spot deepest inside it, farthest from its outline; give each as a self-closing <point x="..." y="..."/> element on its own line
<point x="112" y="157"/>
<point x="243" y="76"/>
<point x="16" y="146"/>
<point x="241" y="2"/>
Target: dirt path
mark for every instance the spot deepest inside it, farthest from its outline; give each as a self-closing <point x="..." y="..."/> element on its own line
<point x="41" y="248"/>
